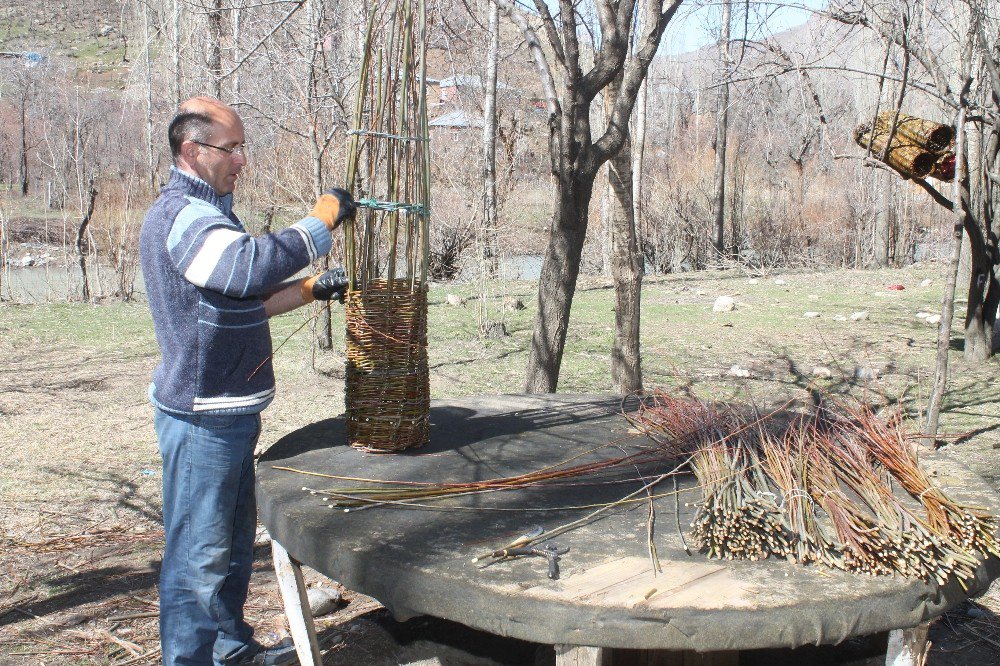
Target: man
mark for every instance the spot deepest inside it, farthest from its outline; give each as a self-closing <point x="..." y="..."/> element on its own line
<point x="212" y="288"/>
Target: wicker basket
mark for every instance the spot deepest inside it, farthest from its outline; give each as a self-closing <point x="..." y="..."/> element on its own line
<point x="388" y="387"/>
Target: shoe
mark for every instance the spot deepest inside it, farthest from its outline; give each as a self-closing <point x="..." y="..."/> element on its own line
<point x="281" y="654"/>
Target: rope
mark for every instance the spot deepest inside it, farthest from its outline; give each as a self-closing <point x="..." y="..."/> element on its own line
<point x="394" y="206"/>
<point x="795" y="493"/>
<point x="386" y="135"/>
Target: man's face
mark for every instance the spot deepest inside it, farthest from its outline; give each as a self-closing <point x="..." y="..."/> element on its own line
<point x="215" y="166"/>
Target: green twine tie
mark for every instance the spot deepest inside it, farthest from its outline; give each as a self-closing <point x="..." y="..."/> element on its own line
<point x="393" y="206"/>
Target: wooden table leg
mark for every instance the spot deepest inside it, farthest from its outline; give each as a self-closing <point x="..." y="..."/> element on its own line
<point x="907" y="647"/>
<point x="582" y="655"/>
<point x="293" y="593"/>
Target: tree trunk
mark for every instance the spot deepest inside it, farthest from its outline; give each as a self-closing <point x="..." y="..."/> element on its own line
<point x="148" y="98"/>
<point x="237" y="40"/>
<point x="81" y="233"/>
<point x="626" y="263"/>
<point x="488" y="242"/>
<point x="721" y="136"/>
<point x="639" y="155"/>
<point x="215" y="47"/>
<point x="984" y="288"/>
<point x="557" y="282"/>
<point x="883" y="219"/>
<point x="176" y="55"/>
<point x="626" y="268"/>
<point x="317" y="150"/>
<point x="948" y="304"/>
<point x="486" y="231"/>
<point x="24" y="145"/>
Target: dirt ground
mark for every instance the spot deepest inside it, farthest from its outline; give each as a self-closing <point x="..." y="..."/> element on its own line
<point x="80" y="536"/>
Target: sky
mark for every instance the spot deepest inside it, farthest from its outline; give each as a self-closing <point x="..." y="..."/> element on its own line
<point x="696" y="24"/>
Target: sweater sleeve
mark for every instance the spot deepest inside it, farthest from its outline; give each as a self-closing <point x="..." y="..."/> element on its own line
<point x="215" y="253"/>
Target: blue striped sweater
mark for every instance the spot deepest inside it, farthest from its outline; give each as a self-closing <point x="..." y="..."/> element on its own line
<point x="206" y="280"/>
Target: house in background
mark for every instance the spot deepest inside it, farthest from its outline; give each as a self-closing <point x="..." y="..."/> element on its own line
<point x="458" y="119"/>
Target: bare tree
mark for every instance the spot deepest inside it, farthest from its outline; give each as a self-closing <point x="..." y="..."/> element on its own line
<point x="722" y="132"/>
<point x="575" y="155"/>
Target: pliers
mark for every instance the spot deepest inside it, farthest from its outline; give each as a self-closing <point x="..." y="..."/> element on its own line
<point x="550" y="551"/>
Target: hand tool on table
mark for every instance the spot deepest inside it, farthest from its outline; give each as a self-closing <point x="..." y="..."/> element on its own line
<point x="522" y="540"/>
<point x="550" y="551"/>
<point x="521" y="546"/>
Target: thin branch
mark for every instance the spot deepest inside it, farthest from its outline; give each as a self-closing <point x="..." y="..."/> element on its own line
<point x="239" y="64"/>
<point x="537" y="53"/>
<point x="549" y="24"/>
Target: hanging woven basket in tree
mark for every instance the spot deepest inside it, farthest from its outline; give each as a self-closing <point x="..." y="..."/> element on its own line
<point x="386" y="245"/>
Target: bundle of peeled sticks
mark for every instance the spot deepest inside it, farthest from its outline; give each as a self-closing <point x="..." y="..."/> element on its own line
<point x="839" y="486"/>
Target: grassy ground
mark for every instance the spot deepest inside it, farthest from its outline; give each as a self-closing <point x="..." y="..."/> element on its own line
<point x="79" y="483"/>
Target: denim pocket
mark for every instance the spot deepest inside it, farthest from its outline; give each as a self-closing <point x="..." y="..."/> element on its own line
<point x="224" y="440"/>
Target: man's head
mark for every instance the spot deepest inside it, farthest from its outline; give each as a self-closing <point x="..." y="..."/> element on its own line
<point x="207" y="140"/>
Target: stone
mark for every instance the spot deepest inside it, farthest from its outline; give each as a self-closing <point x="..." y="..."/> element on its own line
<point x="933" y="319"/>
<point x="822" y="371"/>
<point x="494" y="330"/>
<point x="839" y="317"/>
<point x="811" y="315"/>
<point x="514" y="303"/>
<point x="455" y="300"/>
<point x="724" y="304"/>
<point x="323" y="600"/>
<point x="737" y="371"/>
<point x="779" y="281"/>
<point x="923" y="315"/>
<point x="861" y="315"/>
<point x="753" y="281"/>
<point x="926" y="282"/>
<point x="866" y="373"/>
<point x="262" y="538"/>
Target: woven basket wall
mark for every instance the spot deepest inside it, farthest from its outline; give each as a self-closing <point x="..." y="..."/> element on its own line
<point x="388" y="388"/>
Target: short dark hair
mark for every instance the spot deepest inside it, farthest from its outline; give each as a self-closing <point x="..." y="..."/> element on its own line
<point x="188" y="126"/>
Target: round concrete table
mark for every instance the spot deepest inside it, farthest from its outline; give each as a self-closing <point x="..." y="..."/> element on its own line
<point x="419" y="560"/>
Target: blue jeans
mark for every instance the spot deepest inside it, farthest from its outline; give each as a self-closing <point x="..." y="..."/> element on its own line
<point x="209" y="520"/>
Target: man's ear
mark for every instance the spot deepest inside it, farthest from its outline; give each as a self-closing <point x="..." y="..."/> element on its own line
<point x="189" y="149"/>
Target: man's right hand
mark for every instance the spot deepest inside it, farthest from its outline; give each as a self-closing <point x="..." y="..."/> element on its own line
<point x="333" y="207"/>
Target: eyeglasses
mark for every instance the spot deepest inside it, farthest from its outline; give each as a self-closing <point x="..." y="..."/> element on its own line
<point x="238" y="150"/>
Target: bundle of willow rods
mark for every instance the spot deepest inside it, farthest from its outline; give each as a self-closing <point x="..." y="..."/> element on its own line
<point x="817" y="489"/>
<point x="916" y="147"/>
<point x="386" y="245"/>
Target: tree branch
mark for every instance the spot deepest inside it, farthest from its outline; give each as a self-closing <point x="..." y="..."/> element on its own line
<point x="614" y="48"/>
<point x="614" y="136"/>
<point x="550" y="31"/>
<point x="928" y="60"/>
<point x="239" y="64"/>
<point x="537" y="54"/>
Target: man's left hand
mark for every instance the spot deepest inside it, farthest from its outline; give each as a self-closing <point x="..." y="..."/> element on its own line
<point x="327" y="286"/>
